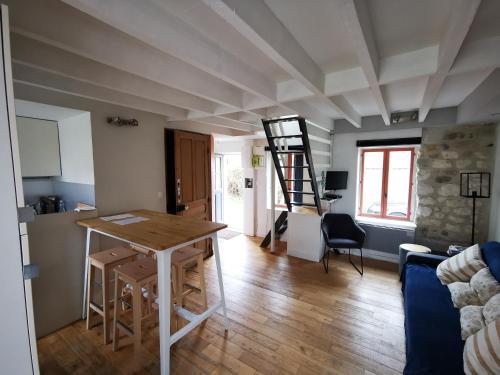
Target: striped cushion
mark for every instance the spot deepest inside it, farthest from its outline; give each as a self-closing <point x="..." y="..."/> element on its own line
<point x="482" y="351"/>
<point x="461" y="267"/>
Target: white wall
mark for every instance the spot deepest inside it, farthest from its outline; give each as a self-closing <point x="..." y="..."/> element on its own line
<point x="129" y="163"/>
<point x="15" y="355"/>
<point x="345" y="158"/>
<point x="75" y="139"/>
<point x="494" y="231"/>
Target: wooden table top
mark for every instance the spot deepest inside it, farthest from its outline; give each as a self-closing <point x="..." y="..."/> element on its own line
<point x="162" y="231"/>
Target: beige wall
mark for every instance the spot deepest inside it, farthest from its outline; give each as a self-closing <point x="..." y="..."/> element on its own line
<point x="128" y="162"/>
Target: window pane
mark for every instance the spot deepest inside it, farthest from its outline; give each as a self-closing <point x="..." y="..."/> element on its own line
<point x="398" y="183"/>
<point x="372" y="183"/>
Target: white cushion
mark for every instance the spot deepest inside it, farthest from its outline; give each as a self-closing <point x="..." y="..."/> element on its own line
<point x="482" y="351"/>
<point x="462" y="294"/>
<point x="485" y="285"/>
<point x="471" y="320"/>
<point x="491" y="310"/>
<point x="461" y="267"/>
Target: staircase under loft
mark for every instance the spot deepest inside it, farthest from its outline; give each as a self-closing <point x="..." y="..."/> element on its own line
<point x="290" y="149"/>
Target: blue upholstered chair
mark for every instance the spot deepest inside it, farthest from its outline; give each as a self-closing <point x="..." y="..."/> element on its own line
<point x="340" y="231"/>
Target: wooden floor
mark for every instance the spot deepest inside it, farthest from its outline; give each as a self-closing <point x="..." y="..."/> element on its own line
<point x="287" y="317"/>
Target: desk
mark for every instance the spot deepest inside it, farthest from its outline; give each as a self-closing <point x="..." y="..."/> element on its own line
<point x="304" y="239"/>
<point x="163" y="234"/>
<point x="406" y="248"/>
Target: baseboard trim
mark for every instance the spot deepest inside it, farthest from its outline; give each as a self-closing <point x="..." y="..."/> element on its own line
<point x="374" y="254"/>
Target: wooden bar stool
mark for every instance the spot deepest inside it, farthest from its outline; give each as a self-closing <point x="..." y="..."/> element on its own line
<point x="141" y="277"/>
<point x="181" y="259"/>
<point x="104" y="261"/>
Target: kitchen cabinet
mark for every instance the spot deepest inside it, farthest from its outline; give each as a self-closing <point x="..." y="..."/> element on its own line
<point x="38" y="147"/>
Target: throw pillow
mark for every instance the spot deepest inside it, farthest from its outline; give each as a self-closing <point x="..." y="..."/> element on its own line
<point x="482" y="351"/>
<point x="461" y="267"/>
<point x="471" y="320"/>
<point x="485" y="285"/>
<point x="491" y="255"/>
<point x="462" y="294"/>
<point x="491" y="310"/>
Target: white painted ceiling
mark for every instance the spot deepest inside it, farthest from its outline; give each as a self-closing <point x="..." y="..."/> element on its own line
<point x="44" y="111"/>
<point x="230" y="63"/>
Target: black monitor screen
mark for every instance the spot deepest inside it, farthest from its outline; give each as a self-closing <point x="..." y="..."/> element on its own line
<point x="336" y="180"/>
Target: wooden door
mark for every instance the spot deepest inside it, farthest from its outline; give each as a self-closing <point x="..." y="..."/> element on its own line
<point x="189" y="188"/>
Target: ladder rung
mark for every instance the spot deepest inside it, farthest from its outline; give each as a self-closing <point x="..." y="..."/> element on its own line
<point x="292" y="180"/>
<point x="294" y="166"/>
<point x="300" y="192"/>
<point x="303" y="204"/>
<point x="286" y="136"/>
<point x="290" y="152"/>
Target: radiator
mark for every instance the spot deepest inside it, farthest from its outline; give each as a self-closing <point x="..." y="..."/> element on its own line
<point x="386" y="239"/>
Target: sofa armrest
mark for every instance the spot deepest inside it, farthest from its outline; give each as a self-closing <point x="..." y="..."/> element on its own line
<point x="427" y="259"/>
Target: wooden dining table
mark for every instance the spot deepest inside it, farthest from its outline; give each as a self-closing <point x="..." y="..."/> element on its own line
<point x="163" y="234"/>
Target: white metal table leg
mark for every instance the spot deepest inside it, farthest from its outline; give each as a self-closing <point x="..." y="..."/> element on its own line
<point x="86" y="274"/>
<point x="163" y="259"/>
<point x="219" y="277"/>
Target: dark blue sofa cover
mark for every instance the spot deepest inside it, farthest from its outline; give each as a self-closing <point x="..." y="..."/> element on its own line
<point x="432" y="325"/>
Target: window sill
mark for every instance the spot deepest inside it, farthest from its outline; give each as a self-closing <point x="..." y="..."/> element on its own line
<point x="386" y="222"/>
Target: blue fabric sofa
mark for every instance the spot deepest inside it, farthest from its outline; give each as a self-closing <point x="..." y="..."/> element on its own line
<point x="432" y="325"/>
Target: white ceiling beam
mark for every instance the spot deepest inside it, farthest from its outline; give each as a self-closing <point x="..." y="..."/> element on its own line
<point x="45" y="57"/>
<point x="228" y="123"/>
<point x="244" y="117"/>
<point x="150" y="23"/>
<point x="291" y="90"/>
<point x="413" y="64"/>
<point x="339" y="82"/>
<point x="250" y="117"/>
<point x="479" y="99"/>
<point x="357" y="20"/>
<point x="478" y="55"/>
<point x="458" y="26"/>
<point x="251" y="102"/>
<point x="314" y="116"/>
<point x="277" y="111"/>
<point x="259" y="112"/>
<point x="200" y="127"/>
<point x="39" y="78"/>
<point x="256" y="22"/>
<point x="46" y="20"/>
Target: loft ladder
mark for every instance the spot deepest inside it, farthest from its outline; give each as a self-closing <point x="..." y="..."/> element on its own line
<point x="277" y="140"/>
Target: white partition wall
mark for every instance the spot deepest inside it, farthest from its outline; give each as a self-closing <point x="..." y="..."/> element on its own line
<point x="16" y="349"/>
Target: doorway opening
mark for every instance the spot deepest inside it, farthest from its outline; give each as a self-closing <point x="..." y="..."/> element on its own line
<point x="229" y="190"/>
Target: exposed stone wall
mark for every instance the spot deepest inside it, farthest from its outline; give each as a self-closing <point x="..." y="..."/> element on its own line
<point x="443" y="217"/>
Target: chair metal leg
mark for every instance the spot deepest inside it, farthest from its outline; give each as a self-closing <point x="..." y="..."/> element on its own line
<point x="326" y="253"/>
<point x="357" y="269"/>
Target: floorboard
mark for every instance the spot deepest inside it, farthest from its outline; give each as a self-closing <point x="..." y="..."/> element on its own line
<point x="287" y="317"/>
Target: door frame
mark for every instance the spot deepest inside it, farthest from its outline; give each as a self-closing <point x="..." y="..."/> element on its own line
<point x="224" y="175"/>
<point x="22" y="344"/>
<point x="221" y="157"/>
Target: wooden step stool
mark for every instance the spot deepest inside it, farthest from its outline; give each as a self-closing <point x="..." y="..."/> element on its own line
<point x="104" y="261"/>
<point x="138" y="275"/>
<point x="181" y="259"/>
